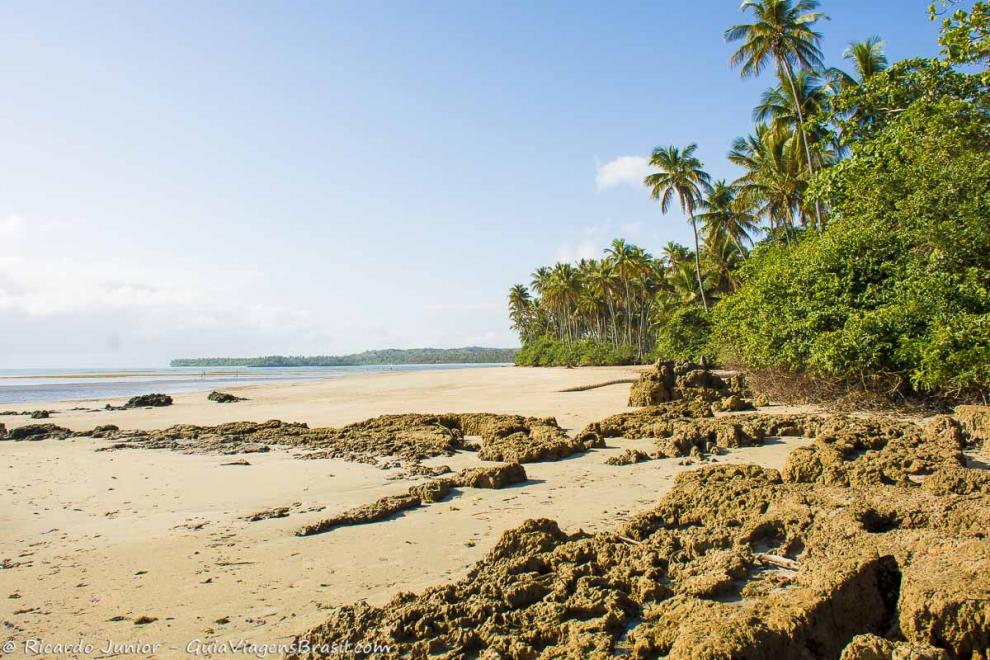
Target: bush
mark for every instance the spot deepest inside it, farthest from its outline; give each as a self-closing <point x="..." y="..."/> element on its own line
<point x="549" y="352"/>
<point x="897" y="288"/>
<point x="685" y="336"/>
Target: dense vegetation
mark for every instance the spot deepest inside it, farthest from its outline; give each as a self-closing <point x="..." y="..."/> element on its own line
<point x="854" y="245"/>
<point x="467" y="355"/>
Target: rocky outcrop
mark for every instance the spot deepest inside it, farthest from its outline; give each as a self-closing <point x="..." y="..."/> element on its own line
<point x="850" y="452"/>
<point x="629" y="457"/>
<point x="387" y="441"/>
<point x="385" y="507"/>
<point x="870" y="545"/>
<point x="974" y="421"/>
<point x="733" y="562"/>
<point x="668" y="381"/>
<point x="224" y="397"/>
<point x="148" y="401"/>
<point x="35" y="432"/>
<point x="496" y="476"/>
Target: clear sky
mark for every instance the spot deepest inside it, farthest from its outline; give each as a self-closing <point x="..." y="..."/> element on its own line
<point x="244" y="178"/>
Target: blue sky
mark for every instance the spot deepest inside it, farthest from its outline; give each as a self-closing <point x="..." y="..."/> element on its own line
<point x="241" y="178"/>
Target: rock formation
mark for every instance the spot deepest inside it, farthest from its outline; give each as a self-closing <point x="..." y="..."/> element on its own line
<point x="872" y="544"/>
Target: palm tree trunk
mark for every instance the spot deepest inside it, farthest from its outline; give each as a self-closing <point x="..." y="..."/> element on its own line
<point x="697" y="263"/>
<point x="628" y="314"/>
<point x="615" y="328"/>
<point x="804" y="138"/>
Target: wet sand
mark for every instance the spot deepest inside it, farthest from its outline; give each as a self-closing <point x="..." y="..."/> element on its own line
<point x="96" y="540"/>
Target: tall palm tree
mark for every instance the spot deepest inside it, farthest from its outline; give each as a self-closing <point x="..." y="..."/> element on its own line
<point x="781" y="109"/>
<point x="680" y="175"/>
<point x="724" y="214"/>
<point x="540" y="278"/>
<point x="780" y="33"/>
<point x="621" y="255"/>
<point x="600" y="283"/>
<point x="561" y="293"/>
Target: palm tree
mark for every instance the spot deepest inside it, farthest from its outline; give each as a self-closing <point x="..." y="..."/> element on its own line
<point x="540" y="278"/>
<point x="561" y="293"/>
<point x="771" y="181"/>
<point x="520" y="309"/>
<point x="674" y="254"/>
<point x="868" y="58"/>
<point x="781" y="109"/>
<point x="722" y="260"/>
<point x="726" y="215"/>
<point x="621" y="254"/>
<point x="782" y="33"/>
<point x="680" y="174"/>
<point x="600" y="283"/>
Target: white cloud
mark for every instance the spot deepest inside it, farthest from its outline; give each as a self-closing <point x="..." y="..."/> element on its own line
<point x="629" y="229"/>
<point x="12" y="227"/>
<point x="623" y="171"/>
<point x="464" y="307"/>
<point x="49" y="285"/>
<point x="589" y="245"/>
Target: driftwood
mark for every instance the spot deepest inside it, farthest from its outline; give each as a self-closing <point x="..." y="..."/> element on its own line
<point x="778" y="561"/>
<point x="582" y="388"/>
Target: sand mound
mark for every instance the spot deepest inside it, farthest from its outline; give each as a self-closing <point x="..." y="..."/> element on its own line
<point x="736" y="561"/>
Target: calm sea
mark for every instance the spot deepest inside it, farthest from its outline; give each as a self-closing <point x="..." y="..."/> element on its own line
<point x="29" y="385"/>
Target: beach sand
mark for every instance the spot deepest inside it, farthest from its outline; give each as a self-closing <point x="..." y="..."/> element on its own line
<point x="95" y="540"/>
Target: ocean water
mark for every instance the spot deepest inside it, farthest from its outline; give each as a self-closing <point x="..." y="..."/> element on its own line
<point x="31" y="385"/>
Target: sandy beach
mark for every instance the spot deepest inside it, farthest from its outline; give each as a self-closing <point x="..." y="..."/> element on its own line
<point x="95" y="542"/>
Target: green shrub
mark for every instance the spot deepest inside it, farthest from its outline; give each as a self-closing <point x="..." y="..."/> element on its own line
<point x="898" y="286"/>
<point x="684" y="336"/>
<point x="549" y="352"/>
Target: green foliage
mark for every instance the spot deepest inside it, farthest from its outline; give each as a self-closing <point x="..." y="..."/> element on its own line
<point x="468" y="355"/>
<point x="897" y="286"/>
<point x="549" y="352"/>
<point x="965" y="36"/>
<point x="684" y="336"/>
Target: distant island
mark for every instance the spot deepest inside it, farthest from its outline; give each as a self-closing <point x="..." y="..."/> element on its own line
<point x="466" y="355"/>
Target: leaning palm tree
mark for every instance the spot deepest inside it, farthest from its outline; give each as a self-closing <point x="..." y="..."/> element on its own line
<point x="680" y="175"/>
<point x="520" y="304"/>
<point x="782" y="34"/>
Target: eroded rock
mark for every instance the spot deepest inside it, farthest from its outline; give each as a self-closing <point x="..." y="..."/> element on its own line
<point x="735" y="561"/>
<point x="668" y="381"/>
<point x="496" y="476"/>
<point x="224" y="397"/>
<point x="148" y="401"/>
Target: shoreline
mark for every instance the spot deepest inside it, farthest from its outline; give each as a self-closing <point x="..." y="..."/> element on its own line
<point x="527" y="391"/>
<point x="185" y="380"/>
<point x="99" y="539"/>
